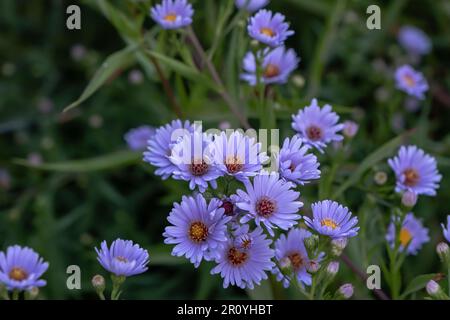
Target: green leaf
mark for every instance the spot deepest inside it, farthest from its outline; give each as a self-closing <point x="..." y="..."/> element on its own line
<point x="105" y="162"/>
<point x="116" y="62"/>
<point x="128" y="29"/>
<point x="418" y="283"/>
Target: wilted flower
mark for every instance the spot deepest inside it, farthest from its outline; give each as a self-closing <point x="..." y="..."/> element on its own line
<point x="332" y="219"/>
<point x="137" y="138"/>
<point x="269" y="28"/>
<point x="411" y="81"/>
<point x="173" y="14"/>
<point x="380" y="177"/>
<point x="251" y="5"/>
<point x="123" y="258"/>
<point x="198" y="228"/>
<point x="412" y="234"/>
<point x="415" y="171"/>
<point x="244" y="264"/>
<point x="317" y="126"/>
<point x="21" y="268"/>
<point x="414" y="40"/>
<point x="277" y="65"/>
<point x="446" y="231"/>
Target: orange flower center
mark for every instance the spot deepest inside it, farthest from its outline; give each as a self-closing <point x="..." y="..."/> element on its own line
<point x="329" y="223"/>
<point x="410" y="82"/>
<point x="268" y="32"/>
<point x="198" y="232"/>
<point x="18" y="274"/>
<point x="271" y="71"/>
<point x="296" y="260"/>
<point x="171" y="17"/>
<point x="405" y="237"/>
<point x="237" y="257"/>
<point x="411" y="177"/>
<point x="314" y="133"/>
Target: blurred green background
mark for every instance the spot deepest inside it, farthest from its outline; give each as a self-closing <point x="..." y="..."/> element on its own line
<point x="63" y="212"/>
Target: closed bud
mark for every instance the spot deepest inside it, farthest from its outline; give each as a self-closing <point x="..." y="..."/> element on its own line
<point x="380" y="178"/>
<point x="345" y="291"/>
<point x="298" y="81"/>
<point x="285" y="264"/>
<point x="435" y="291"/>
<point x="350" y="129"/>
<point x="311" y="242"/>
<point x="409" y="199"/>
<point x="312" y="266"/>
<point x="333" y="268"/>
<point x="338" y="246"/>
<point x="98" y="282"/>
<point x="443" y="252"/>
<point x="32" y="294"/>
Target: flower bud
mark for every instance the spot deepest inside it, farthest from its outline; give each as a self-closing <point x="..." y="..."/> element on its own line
<point x="338" y="246"/>
<point x="298" y="81"/>
<point x="443" y="252"/>
<point x="98" y="282"/>
<point x="285" y="264"/>
<point x="435" y="291"/>
<point x="333" y="268"/>
<point x="345" y="291"/>
<point x="380" y="178"/>
<point x="350" y="129"/>
<point x="32" y="294"/>
<point x="313" y="266"/>
<point x="409" y="199"/>
<point x="311" y="242"/>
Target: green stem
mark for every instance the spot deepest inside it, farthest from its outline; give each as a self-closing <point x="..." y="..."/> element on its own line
<point x="117" y="282"/>
<point x="15" y="295"/>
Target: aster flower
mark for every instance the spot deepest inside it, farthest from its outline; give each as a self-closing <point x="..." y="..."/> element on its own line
<point x="332" y="219"/>
<point x="295" y="163"/>
<point x="290" y="252"/>
<point x="123" y="258"/>
<point x="411" y="81"/>
<point x="245" y="258"/>
<point x="317" y="126"/>
<point x="21" y="268"/>
<point x="173" y="14"/>
<point x="412" y="234"/>
<point x="194" y="160"/>
<point x="277" y="65"/>
<point x="414" y="40"/>
<point x="269" y="28"/>
<point x="238" y="155"/>
<point x="271" y="201"/>
<point x="445" y="231"/>
<point x="160" y="147"/>
<point x="198" y="228"/>
<point x="415" y="171"/>
<point x="251" y="5"/>
<point x="137" y="138"/>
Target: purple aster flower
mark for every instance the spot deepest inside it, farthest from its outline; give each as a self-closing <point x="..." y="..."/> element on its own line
<point x="317" y="126"/>
<point x="277" y="65"/>
<point x="290" y="252"/>
<point x="445" y="231"/>
<point x="137" y="138"/>
<point x="270" y="201"/>
<point x="198" y="228"/>
<point x="411" y="81"/>
<point x="193" y="156"/>
<point x="245" y="258"/>
<point x="238" y="155"/>
<point x="414" y="40"/>
<point x="412" y="234"/>
<point x="332" y="219"/>
<point x="173" y="14"/>
<point x="160" y="147"/>
<point x="295" y="163"/>
<point x="21" y="268"/>
<point x="269" y="28"/>
<point x="415" y="171"/>
<point x="123" y="258"/>
<point x="251" y="5"/>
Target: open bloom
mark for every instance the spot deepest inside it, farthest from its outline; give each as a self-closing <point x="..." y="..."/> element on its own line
<point x="245" y="258"/>
<point x="292" y="257"/>
<point x="411" y="81"/>
<point x="137" y="138"/>
<point x="21" y="268"/>
<point x="173" y="14"/>
<point x="193" y="156"/>
<point x="198" y="228"/>
<point x="277" y="65"/>
<point x="412" y="234"/>
<point x="317" y="126"/>
<point x="251" y="5"/>
<point x="414" y="40"/>
<point x="295" y="163"/>
<point x="238" y="155"/>
<point x="445" y="231"/>
<point x="123" y="258"/>
<point x="332" y="219"/>
<point x="160" y="146"/>
<point x="269" y="28"/>
<point x="271" y="201"/>
<point x="415" y="171"/>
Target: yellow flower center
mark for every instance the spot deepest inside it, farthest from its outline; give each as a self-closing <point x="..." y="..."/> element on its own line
<point x="405" y="237"/>
<point x="171" y="17"/>
<point x="18" y="274"/>
<point x="410" y="82"/>
<point x="329" y="223"/>
<point x="198" y="232"/>
<point x="268" y="32"/>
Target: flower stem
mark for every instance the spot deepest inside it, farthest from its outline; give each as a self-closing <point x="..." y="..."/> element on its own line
<point x="117" y="282"/>
<point x="15" y="295"/>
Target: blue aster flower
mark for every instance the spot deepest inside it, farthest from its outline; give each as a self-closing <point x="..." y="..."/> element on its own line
<point x="21" y="268"/>
<point x="137" y="138"/>
<point x="173" y="14"/>
<point x="245" y="258"/>
<point x="277" y="65"/>
<point x="445" y="231"/>
<point x="317" y="126"/>
<point x="271" y="201"/>
<point x="160" y="146"/>
<point x="198" y="228"/>
<point x="269" y="28"/>
<point x="411" y="81"/>
<point x="414" y="40"/>
<point x="123" y="258"/>
<point x="332" y="219"/>
<point x="295" y="163"/>
<point x="238" y="155"/>
<point x="251" y="5"/>
<point x="412" y="234"/>
<point x="415" y="171"/>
